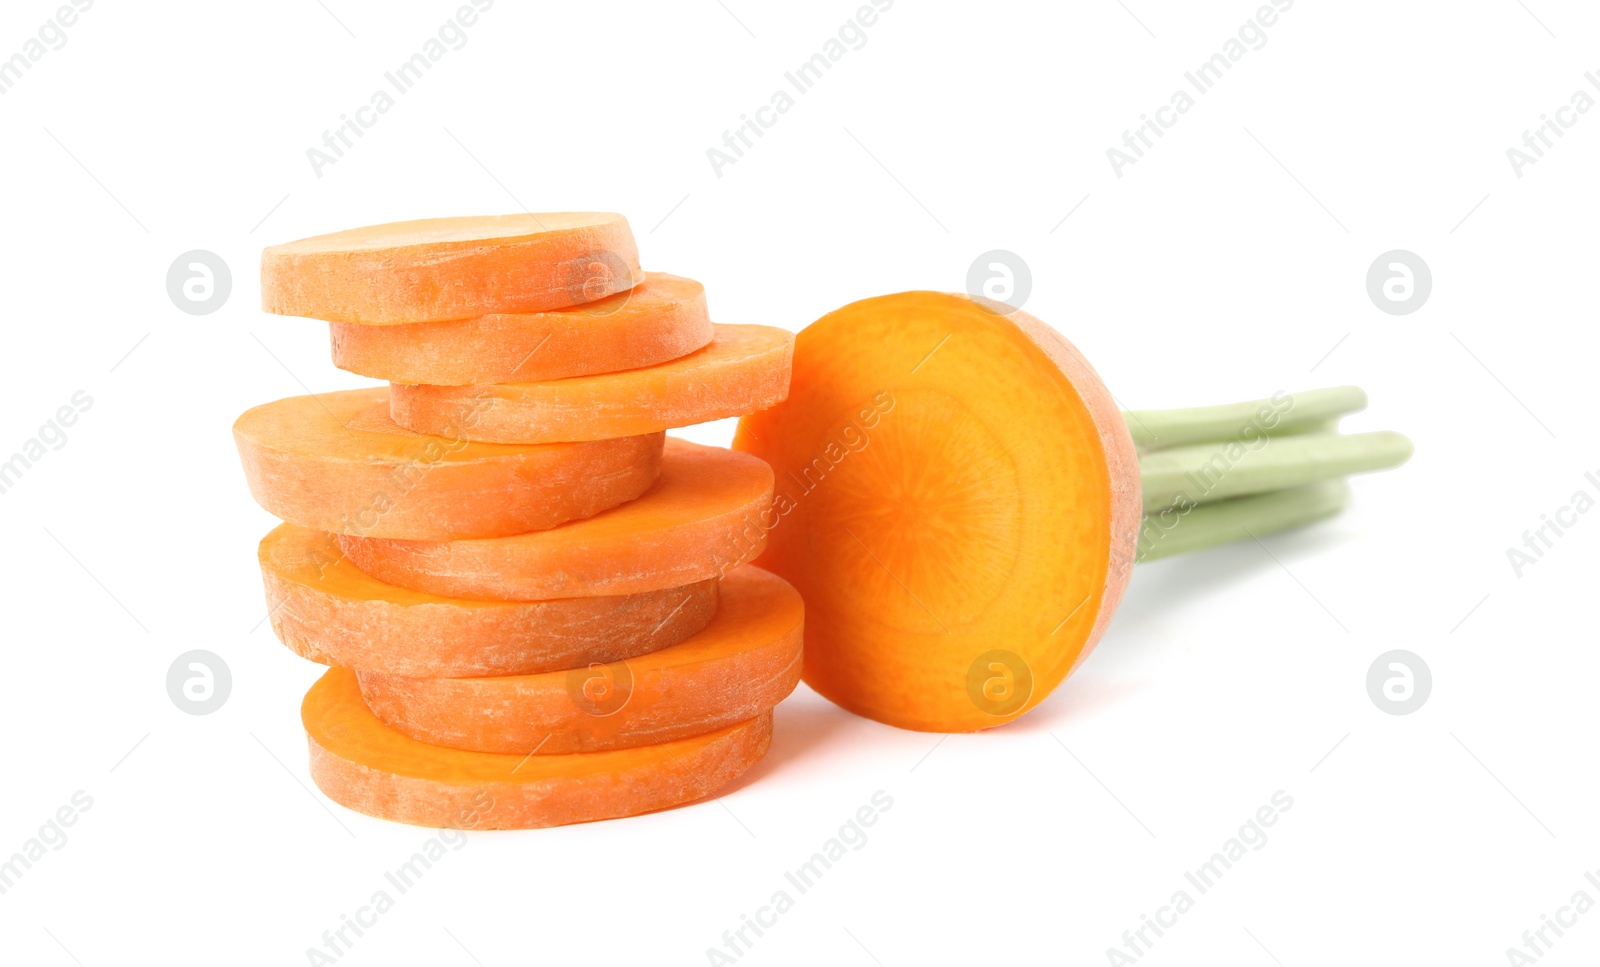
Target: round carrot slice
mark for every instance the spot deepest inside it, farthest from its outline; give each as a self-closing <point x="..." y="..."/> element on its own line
<point x="702" y="520"/>
<point x="958" y="506"/>
<point x="744" y="369"/>
<point x="336" y="462"/>
<point x="660" y="320"/>
<point x="364" y="765"/>
<point x="328" y="610"/>
<point x="451" y="268"/>
<point x="743" y="663"/>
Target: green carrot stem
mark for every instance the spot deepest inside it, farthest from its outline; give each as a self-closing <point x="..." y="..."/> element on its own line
<point x="1281" y="415"/>
<point x="1186" y="476"/>
<point x="1174" y="532"/>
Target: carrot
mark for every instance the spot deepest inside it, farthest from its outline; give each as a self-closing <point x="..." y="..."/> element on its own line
<point x="660" y="320"/>
<point x="744" y="369"/>
<point x="451" y="268"/>
<point x="959" y="503"/>
<point x="336" y="462"/>
<point x="326" y="609"/>
<point x="742" y="664"/>
<point x="702" y="520"/>
<point x="362" y="764"/>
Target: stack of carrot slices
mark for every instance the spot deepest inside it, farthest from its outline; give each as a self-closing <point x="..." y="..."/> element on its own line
<point x="539" y="607"/>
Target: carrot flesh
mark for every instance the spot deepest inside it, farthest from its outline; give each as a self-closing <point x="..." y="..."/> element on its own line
<point x="327" y="610"/>
<point x="660" y="320"/>
<point x="702" y="520"/>
<point x="744" y="369"/>
<point x="451" y="268"/>
<point x="366" y="766"/>
<point x="336" y="462"/>
<point x="958" y="503"/>
<point x="744" y="662"/>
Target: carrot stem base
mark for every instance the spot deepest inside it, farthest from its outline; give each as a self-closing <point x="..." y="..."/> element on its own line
<point x="1240" y="518"/>
<point x="1212" y="475"/>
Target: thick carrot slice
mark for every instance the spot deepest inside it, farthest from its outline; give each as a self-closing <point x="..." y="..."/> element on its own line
<point x="366" y="766"/>
<point x="661" y="320"/>
<point x="744" y="662"/>
<point x="701" y="521"/>
<point x="958" y="506"/>
<point x="336" y="462"/>
<point x="746" y="368"/>
<point x="451" y="268"/>
<point x="326" y="609"/>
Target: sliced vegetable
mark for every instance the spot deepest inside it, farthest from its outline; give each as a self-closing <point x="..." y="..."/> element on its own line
<point x="962" y="500"/>
<point x="326" y="609"/>
<point x="742" y="664"/>
<point x="336" y="462"/>
<point x="703" y="519"/>
<point x="744" y="369"/>
<point x="366" y="766"/>
<point x="660" y="320"/>
<point x="451" y="268"/>
<point x="961" y="482"/>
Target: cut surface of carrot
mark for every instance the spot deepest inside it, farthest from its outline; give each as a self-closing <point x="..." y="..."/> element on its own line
<point x="742" y="664"/>
<point x="326" y="609"/>
<point x="660" y="320"/>
<point x="702" y="520"/>
<point x="957" y="503"/>
<point x="451" y="268"/>
<point x="744" y="369"/>
<point x="366" y="766"/>
<point x="336" y="462"/>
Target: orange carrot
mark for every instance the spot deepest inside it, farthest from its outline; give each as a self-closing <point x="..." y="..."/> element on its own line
<point x="742" y="664"/>
<point x="958" y="506"/>
<point x="336" y="462"/>
<point x="451" y="268"/>
<point x="744" y="369"/>
<point x="658" y="321"/>
<point x="702" y="520"/>
<point x="362" y="764"/>
<point x="326" y="609"/>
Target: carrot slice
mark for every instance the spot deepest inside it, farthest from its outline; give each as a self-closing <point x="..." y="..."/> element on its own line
<point x="701" y="521"/>
<point x="959" y="504"/>
<point x="660" y="320"/>
<point x="744" y="369"/>
<point x="451" y="268"/>
<point x="336" y="462"/>
<point x="743" y="663"/>
<point x="366" y="766"/>
<point x="326" y="609"/>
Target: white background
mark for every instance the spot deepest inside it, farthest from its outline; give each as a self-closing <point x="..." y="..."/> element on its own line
<point x="1229" y="263"/>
